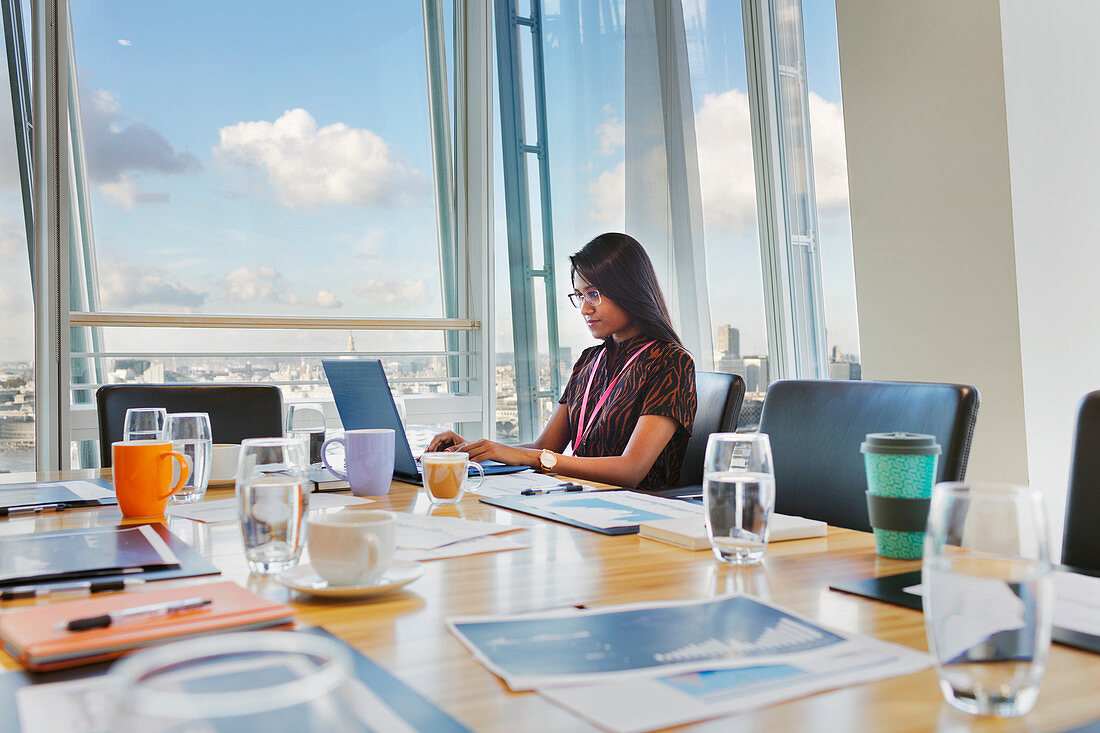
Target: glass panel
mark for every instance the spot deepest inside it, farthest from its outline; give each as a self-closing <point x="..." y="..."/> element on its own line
<point x="831" y="185"/>
<point x="716" y="56"/>
<point x="16" y="301"/>
<point x="270" y="158"/>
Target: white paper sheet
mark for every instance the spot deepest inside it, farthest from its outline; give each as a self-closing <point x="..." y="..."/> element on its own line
<point x="418" y="532"/>
<point x="634" y="706"/>
<point x="1076" y="603"/>
<point x="476" y="546"/>
<point x="86" y="490"/>
<point x="225" y="510"/>
<point x="608" y="509"/>
<point x="513" y="484"/>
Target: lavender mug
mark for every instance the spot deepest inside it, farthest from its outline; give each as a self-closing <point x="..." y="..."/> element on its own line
<point x="368" y="458"/>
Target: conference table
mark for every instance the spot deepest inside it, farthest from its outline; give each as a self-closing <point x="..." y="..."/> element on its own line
<point x="406" y="633"/>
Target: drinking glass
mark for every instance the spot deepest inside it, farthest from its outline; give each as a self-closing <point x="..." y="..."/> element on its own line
<point x="306" y="421"/>
<point x="272" y="500"/>
<point x="256" y="681"/>
<point x="738" y="495"/>
<point x="190" y="435"/>
<point x="986" y="583"/>
<point x="145" y="423"/>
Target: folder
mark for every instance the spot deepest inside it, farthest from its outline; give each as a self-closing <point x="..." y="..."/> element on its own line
<point x="31" y="634"/>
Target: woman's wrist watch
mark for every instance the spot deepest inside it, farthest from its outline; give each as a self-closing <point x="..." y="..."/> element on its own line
<point x="548" y="460"/>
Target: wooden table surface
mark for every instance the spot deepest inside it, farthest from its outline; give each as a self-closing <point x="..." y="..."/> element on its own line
<point x="405" y="631"/>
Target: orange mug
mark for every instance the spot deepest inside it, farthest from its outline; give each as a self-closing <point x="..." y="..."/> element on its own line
<point x="143" y="476"/>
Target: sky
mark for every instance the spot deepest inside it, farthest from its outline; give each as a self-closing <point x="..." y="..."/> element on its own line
<point x="259" y="157"/>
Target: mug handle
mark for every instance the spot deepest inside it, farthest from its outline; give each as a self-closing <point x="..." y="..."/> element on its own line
<point x="374" y="549"/>
<point x="480" y="478"/>
<point x="185" y="472"/>
<point x="324" y="456"/>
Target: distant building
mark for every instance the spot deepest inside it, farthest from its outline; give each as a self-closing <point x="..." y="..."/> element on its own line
<point x="845" y="370"/>
<point x="729" y="341"/>
<point x="753" y="369"/>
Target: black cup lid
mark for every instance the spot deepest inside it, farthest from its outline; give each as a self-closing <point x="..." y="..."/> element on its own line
<point x="912" y="444"/>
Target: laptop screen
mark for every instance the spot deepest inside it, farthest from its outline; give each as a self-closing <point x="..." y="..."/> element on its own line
<point x="364" y="400"/>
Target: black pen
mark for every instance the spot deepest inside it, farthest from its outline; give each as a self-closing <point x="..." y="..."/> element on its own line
<point x="16" y="511"/>
<point x="154" y="609"/>
<point x="564" y="488"/>
<point x="88" y="586"/>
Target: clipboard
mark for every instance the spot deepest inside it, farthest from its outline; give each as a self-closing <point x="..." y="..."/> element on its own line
<point x="891" y="589"/>
<point x="652" y="507"/>
<point x="54" y="495"/>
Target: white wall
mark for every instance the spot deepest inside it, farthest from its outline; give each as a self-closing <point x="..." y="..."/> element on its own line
<point x="1052" y="95"/>
<point x="932" y="233"/>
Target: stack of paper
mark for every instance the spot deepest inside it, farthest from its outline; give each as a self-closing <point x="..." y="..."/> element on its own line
<point x="690" y="533"/>
<point x="646" y="666"/>
<point x="434" y="538"/>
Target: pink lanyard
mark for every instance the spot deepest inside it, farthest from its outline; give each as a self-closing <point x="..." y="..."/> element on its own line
<point x="582" y="428"/>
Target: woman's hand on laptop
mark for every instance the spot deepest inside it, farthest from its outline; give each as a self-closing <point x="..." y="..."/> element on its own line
<point x="488" y="450"/>
<point x="446" y="440"/>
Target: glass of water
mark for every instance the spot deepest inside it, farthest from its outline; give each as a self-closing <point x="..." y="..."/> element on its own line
<point x="306" y="421"/>
<point x="272" y="494"/>
<point x="738" y="495"/>
<point x="145" y="423"/>
<point x="986" y="582"/>
<point x="190" y="435"/>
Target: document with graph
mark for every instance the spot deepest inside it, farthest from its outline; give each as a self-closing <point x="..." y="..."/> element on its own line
<point x="651" y="665"/>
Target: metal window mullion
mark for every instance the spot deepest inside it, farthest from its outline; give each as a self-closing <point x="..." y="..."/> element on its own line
<point x="435" y="50"/>
<point x="474" y="195"/>
<point x="19" y="86"/>
<point x="770" y="214"/>
<point x="49" y="21"/>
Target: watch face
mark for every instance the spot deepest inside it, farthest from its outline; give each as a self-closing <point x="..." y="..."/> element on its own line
<point x="548" y="459"/>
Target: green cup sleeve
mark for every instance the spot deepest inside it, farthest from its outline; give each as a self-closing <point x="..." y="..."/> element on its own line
<point x="897" y="514"/>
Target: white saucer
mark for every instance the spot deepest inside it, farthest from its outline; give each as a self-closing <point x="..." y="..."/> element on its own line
<point x="304" y="578"/>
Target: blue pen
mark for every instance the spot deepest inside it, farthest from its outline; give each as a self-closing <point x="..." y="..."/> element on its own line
<point x="564" y="488"/>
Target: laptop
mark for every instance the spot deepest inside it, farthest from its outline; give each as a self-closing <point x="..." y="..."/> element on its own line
<point x="364" y="400"/>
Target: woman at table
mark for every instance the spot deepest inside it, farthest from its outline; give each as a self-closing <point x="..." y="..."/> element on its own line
<point x="630" y="403"/>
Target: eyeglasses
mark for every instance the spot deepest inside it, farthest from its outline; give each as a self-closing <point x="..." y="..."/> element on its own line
<point x="592" y="297"/>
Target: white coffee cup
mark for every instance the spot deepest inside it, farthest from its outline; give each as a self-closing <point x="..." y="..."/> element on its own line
<point x="352" y="546"/>
<point x="223" y="462"/>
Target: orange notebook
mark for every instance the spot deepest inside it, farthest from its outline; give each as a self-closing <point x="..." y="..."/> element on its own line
<point x="30" y="635"/>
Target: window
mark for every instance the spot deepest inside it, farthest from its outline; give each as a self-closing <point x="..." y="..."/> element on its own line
<point x="17" y="386"/>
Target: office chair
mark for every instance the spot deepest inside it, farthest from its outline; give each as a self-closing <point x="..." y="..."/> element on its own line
<point x="816" y="426"/>
<point x="1081" y="541"/>
<point x="718" y="406"/>
<point x="237" y="411"/>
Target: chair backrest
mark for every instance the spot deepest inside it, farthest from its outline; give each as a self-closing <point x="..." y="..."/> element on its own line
<point x="237" y="411"/>
<point x="718" y="405"/>
<point x="1081" y="541"/>
<point x="816" y="426"/>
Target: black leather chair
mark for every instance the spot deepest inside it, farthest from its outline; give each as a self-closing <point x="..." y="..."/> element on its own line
<point x="719" y="403"/>
<point x="237" y="411"/>
<point x="816" y="426"/>
<point x="1081" y="541"/>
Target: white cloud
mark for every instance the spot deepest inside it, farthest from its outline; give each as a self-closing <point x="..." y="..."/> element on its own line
<point x="124" y="42"/>
<point x="125" y="285"/>
<point x="608" y="193"/>
<point x="246" y="285"/>
<point x="116" y="152"/>
<point x="382" y="292"/>
<point x="611" y="135"/>
<point x="726" y="175"/>
<point x="9" y="163"/>
<point x="309" y="165"/>
<point x="126" y="194"/>
<point x="830" y="155"/>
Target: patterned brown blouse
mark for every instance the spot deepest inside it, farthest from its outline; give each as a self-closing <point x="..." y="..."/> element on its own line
<point x="660" y="382"/>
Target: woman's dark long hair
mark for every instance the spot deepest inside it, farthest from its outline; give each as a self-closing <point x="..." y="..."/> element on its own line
<point x="617" y="265"/>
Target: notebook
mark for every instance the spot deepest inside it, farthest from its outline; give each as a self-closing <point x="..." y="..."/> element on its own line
<point x="364" y="400"/>
<point x="690" y="533"/>
<point x="30" y="635"/>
